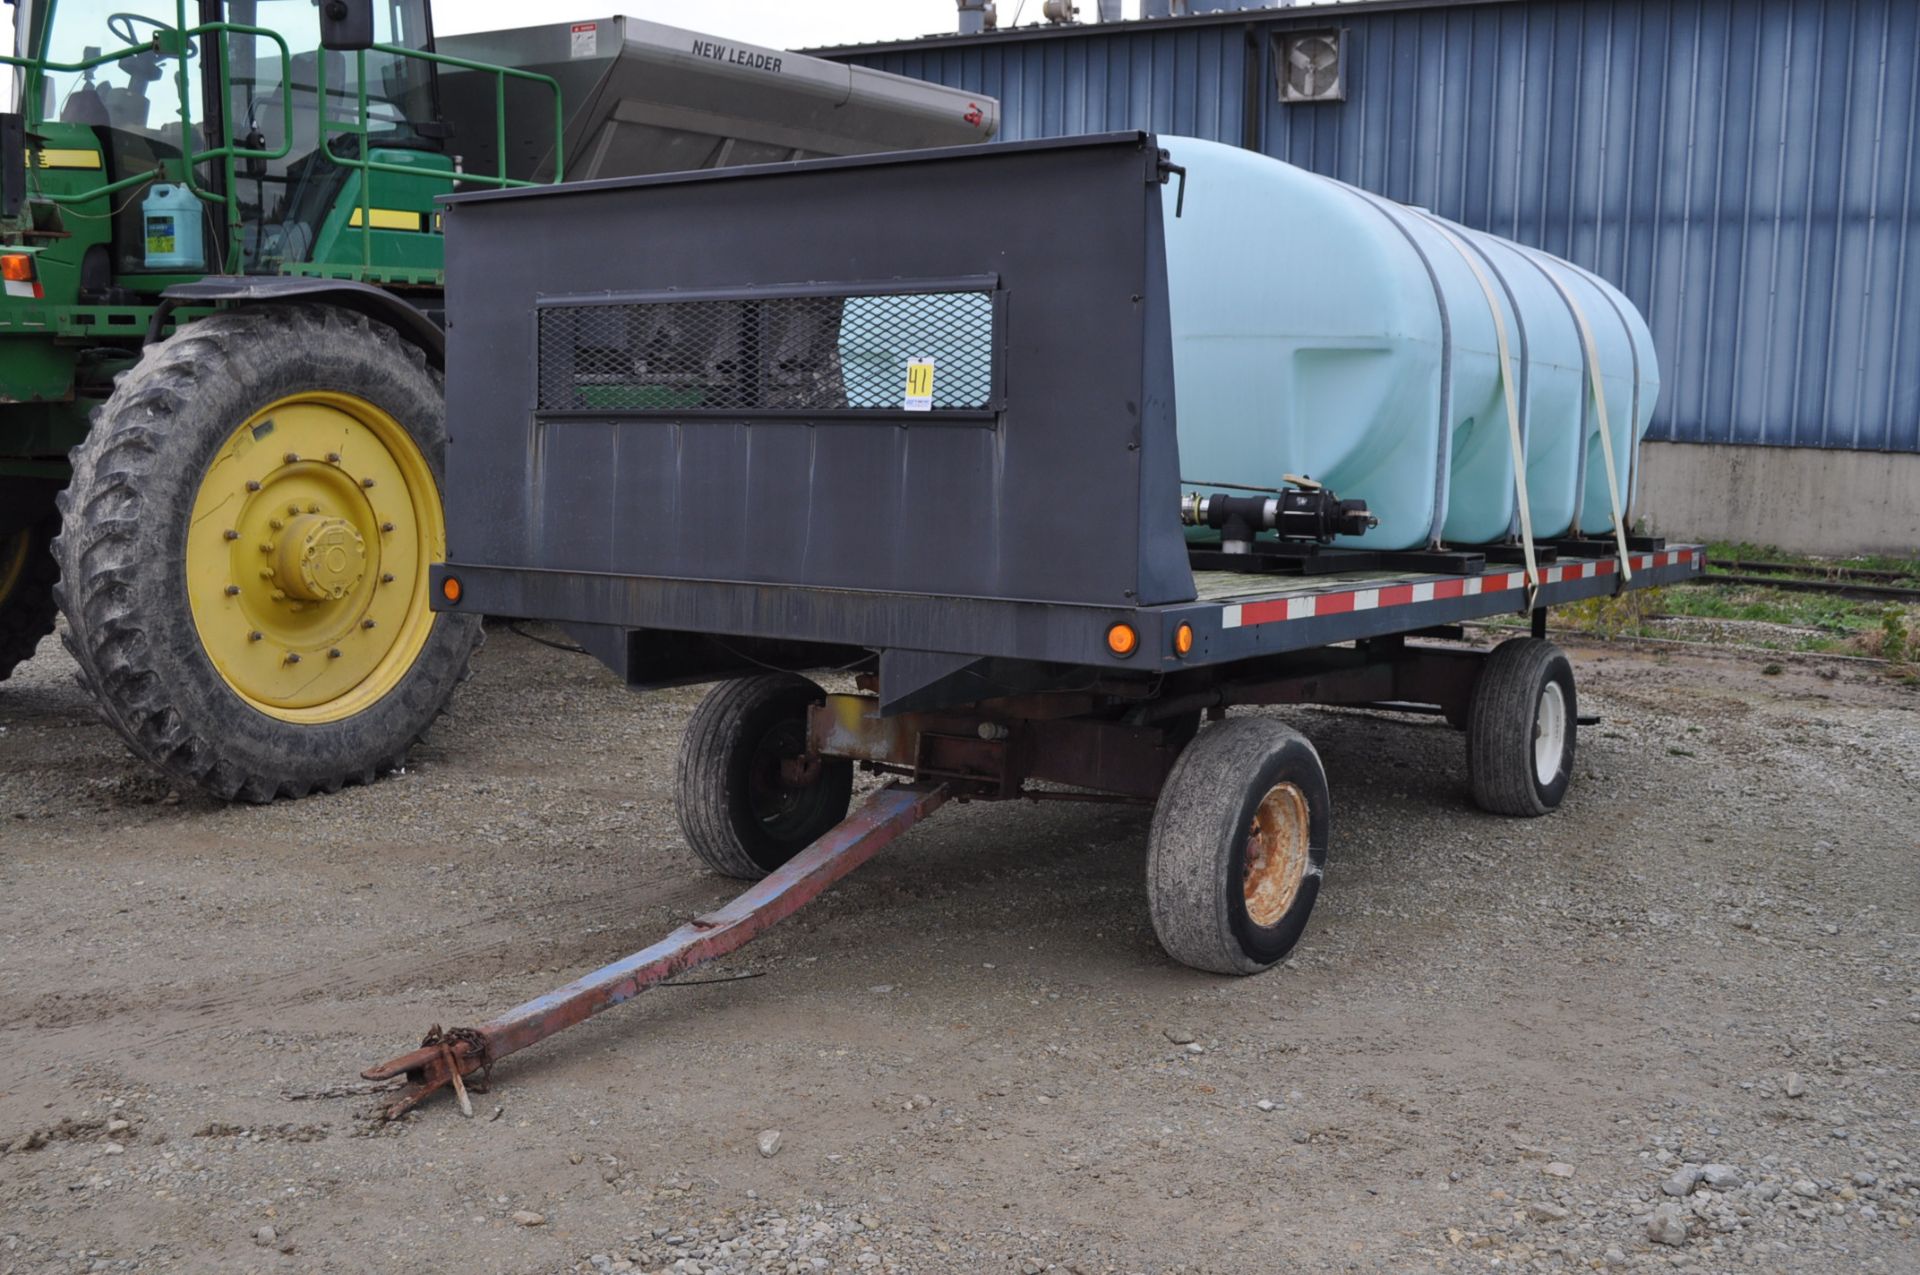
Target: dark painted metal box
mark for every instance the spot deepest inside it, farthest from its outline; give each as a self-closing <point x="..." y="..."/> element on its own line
<point x="644" y="412"/>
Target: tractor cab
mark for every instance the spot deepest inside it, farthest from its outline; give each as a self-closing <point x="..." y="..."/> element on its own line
<point x="263" y="137"/>
<point x="284" y="202"/>
<point x="235" y="124"/>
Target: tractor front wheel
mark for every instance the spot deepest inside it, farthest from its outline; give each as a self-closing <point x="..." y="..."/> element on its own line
<point x="244" y="553"/>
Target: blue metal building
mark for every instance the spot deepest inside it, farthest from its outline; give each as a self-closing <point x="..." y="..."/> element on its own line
<point x="1744" y="169"/>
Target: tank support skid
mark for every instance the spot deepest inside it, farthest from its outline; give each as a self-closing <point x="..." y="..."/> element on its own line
<point x="446" y="1057"/>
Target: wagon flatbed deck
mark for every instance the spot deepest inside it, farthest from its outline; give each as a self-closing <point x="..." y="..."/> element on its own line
<point x="1235" y="615"/>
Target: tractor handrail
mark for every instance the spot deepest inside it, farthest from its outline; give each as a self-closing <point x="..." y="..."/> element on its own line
<point x="189" y="158"/>
<point x="367" y="166"/>
<point x="229" y="152"/>
<point x="500" y="74"/>
<point x="84" y="64"/>
<point x="175" y="42"/>
<point x="36" y="67"/>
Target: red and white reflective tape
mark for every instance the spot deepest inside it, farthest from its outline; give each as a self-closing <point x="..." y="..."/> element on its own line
<point x="1307" y="606"/>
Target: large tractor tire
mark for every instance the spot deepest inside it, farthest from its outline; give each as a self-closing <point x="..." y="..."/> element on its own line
<point x="26" y="593"/>
<point x="244" y="552"/>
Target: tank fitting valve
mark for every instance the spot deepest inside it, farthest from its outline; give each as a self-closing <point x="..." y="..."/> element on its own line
<point x="1312" y="514"/>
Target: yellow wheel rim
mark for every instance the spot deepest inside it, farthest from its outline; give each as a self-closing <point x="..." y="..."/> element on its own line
<point x="13" y="561"/>
<point x="307" y="557"/>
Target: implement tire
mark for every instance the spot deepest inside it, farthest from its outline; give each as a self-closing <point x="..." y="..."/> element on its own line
<point x="741" y="809"/>
<point x="27" y="575"/>
<point x="244" y="551"/>
<point x="1238" y="847"/>
<point x="1521" y="729"/>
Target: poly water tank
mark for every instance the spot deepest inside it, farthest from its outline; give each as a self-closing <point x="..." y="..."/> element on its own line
<point x="1323" y="331"/>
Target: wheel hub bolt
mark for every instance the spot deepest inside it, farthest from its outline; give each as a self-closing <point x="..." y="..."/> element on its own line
<point x="253" y="484"/>
<point x="233" y="590"/>
<point x="231" y="534"/>
<point x="366" y="482"/>
<point x="366" y="624"/>
<point x="333" y="653"/>
<point x="292" y="458"/>
<point x="333" y="458"/>
<point x="386" y="526"/>
<point x="255" y="636"/>
<point x="293" y="657"/>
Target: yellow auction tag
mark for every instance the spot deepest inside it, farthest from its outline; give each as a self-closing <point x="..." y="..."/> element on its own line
<point x="919" y="395"/>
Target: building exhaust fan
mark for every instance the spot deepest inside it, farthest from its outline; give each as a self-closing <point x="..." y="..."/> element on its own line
<point x="1311" y="68"/>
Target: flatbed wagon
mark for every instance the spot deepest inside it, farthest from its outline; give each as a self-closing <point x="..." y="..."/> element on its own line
<point x="690" y="429"/>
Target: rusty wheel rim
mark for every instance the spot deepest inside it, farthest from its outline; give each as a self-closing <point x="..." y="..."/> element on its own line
<point x="1279" y="848"/>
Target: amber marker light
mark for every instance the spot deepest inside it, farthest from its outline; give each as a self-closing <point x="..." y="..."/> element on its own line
<point x="1122" y="640"/>
<point x="16" y="267"/>
<point x="450" y="589"/>
<point x="1183" y="640"/>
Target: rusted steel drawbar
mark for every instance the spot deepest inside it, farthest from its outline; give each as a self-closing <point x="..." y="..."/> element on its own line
<point x="446" y="1055"/>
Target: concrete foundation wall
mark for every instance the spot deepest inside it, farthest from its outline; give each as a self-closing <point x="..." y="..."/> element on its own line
<point x="1803" y="499"/>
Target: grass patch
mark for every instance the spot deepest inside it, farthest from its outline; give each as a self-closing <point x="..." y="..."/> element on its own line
<point x="1719" y="613"/>
<point x="1753" y="603"/>
<point x="1740" y="551"/>
<point x="1715" y="614"/>
<point x="1630" y="614"/>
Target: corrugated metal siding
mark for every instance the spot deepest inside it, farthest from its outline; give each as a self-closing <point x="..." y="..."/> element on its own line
<point x="1744" y="170"/>
<point x="1184" y="81"/>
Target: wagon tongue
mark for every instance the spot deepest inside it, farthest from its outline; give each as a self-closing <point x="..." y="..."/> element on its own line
<point x="446" y="1057"/>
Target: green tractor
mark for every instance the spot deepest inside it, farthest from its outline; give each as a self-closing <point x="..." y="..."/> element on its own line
<point x="221" y="419"/>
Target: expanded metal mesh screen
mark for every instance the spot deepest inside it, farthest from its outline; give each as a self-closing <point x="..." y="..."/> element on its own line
<point x="923" y="351"/>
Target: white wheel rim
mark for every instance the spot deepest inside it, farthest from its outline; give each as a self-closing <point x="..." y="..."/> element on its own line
<point x="1549" y="733"/>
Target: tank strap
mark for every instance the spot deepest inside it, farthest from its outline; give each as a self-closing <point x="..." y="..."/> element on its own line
<point x="1513" y="407"/>
<point x="1606" y="430"/>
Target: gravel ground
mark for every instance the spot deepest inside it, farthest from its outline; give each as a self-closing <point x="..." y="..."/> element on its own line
<point x="1676" y="1024"/>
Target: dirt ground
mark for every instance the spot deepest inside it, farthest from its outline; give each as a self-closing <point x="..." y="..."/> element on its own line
<point x="1677" y="1023"/>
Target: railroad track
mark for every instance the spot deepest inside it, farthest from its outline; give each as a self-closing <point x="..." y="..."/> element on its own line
<point x="1845" y="582"/>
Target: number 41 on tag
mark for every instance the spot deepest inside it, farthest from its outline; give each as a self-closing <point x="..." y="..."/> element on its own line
<point x="919" y="396"/>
